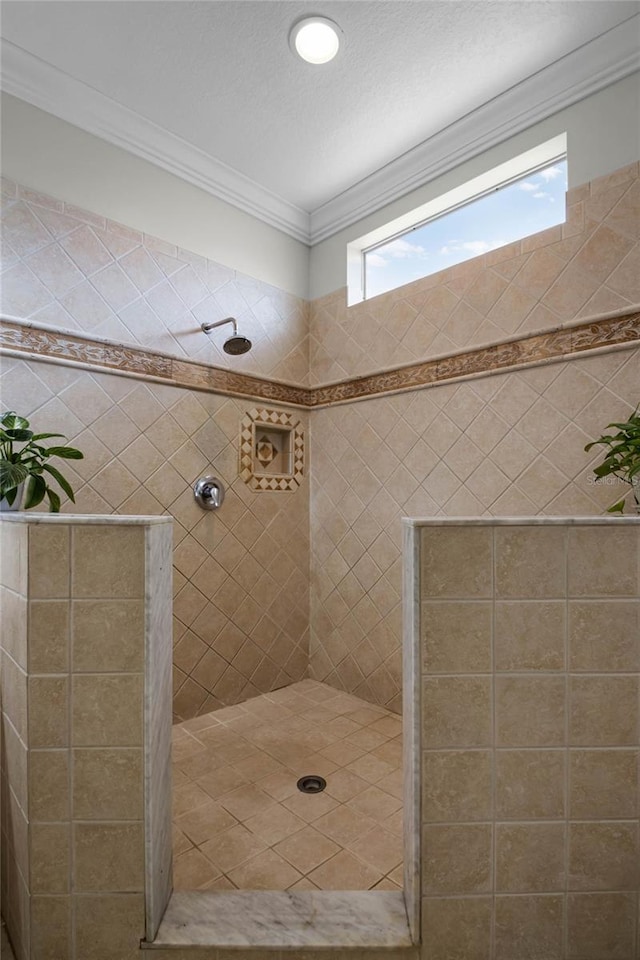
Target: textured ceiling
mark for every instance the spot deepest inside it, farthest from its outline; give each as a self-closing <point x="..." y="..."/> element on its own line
<point x="220" y="74"/>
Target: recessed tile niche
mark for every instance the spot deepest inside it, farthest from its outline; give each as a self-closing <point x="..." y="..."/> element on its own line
<point x="271" y="450"/>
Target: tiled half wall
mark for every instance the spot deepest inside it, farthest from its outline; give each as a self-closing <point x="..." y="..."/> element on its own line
<point x="240" y="573"/>
<point x="86" y="733"/>
<point x="529" y="660"/>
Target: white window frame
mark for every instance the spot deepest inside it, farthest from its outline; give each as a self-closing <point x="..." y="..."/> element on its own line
<point x="523" y="165"/>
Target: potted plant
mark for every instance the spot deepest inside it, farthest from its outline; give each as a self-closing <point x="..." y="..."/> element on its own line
<point x="622" y="458"/>
<point x="24" y="463"/>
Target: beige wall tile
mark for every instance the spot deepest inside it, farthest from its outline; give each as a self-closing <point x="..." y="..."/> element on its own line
<point x="530" y="784"/>
<point x="109" y="927"/>
<point x="13" y="683"/>
<point x="48" y="712"/>
<point x="50" y="857"/>
<point x="108" y="635"/>
<point x="48" y="636"/>
<point x="456" y="563"/>
<point x="457" y="785"/>
<point x="108" y="857"/>
<point x="530" y="857"/>
<point x="107" y="784"/>
<point x="603" y="784"/>
<point x="48" y="785"/>
<point x="456" y="712"/>
<point x="14" y="764"/>
<point x="530" y="562"/>
<point x="615" y="574"/>
<point x="108" y="562"/>
<point x="601" y="925"/>
<point x="530" y="636"/>
<point x="13" y="624"/>
<point x="603" y="636"/>
<point x="456" y="637"/>
<point x="604" y="711"/>
<point x="529" y="927"/>
<point x="16" y="830"/>
<point x="48" y="561"/>
<point x="107" y="710"/>
<point x="13" y="557"/>
<point x="51" y="927"/>
<point x="456" y="859"/>
<point x="459" y="928"/>
<point x="603" y="856"/>
<point x="530" y="711"/>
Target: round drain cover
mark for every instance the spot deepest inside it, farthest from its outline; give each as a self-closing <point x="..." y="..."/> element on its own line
<point x="311" y="784"/>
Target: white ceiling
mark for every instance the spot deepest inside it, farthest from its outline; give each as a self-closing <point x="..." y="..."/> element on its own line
<point x="216" y="82"/>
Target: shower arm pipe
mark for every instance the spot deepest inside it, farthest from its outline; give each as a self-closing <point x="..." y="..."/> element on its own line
<point x="208" y="327"/>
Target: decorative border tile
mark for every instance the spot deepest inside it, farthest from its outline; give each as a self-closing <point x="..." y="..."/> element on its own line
<point x="619" y="330"/>
<point x="283" y="421"/>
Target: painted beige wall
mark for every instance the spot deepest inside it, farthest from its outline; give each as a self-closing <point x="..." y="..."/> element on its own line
<point x="57" y="158"/>
<point x="603" y="133"/>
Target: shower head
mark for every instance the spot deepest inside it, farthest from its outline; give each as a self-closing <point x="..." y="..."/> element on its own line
<point x="236" y="344"/>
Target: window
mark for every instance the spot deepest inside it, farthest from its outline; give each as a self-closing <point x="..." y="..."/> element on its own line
<point x="512" y="201"/>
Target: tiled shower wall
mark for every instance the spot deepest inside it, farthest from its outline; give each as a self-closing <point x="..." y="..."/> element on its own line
<point x="240" y="573"/>
<point x="586" y="267"/>
<point x="71" y="268"/>
<point x="529" y="654"/>
<point x="504" y="444"/>
<point x="507" y="444"/>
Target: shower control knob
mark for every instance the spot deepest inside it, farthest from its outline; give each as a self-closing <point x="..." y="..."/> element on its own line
<point x="208" y="493"/>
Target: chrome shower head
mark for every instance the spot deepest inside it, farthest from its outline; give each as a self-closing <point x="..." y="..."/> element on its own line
<point x="236" y="344"/>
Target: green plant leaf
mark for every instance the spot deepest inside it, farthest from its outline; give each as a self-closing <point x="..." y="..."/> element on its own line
<point x="35" y="491"/>
<point x="11" y="475"/>
<point x="19" y="435"/>
<point x="617" y="507"/>
<point x="54" y="501"/>
<point x="10" y="495"/>
<point x="45" y="436"/>
<point x="61" y="480"/>
<point x="67" y="453"/>
<point x="12" y="421"/>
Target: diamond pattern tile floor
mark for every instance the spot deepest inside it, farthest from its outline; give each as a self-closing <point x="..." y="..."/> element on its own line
<point x="240" y="822"/>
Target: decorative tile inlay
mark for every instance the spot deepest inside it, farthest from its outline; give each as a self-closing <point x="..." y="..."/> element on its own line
<point x="271" y="450"/>
<point x="616" y="330"/>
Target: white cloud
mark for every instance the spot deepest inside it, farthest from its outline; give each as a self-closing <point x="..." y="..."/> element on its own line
<point x="401" y="249"/>
<point x="375" y="260"/>
<point x="474" y="247"/>
<point x="540" y="195"/>
<point x="528" y="186"/>
<point x="551" y="173"/>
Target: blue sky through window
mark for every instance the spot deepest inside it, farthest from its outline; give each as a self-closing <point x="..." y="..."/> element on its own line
<point x="526" y="206"/>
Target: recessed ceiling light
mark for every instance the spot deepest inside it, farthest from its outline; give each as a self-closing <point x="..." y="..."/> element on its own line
<point x="315" y="39"/>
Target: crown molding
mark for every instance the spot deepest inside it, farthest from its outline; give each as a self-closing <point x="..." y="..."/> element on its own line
<point x="610" y="57"/>
<point x="54" y="91"/>
<point x="592" y="67"/>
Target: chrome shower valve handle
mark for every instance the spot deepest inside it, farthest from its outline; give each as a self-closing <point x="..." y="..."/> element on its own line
<point x="208" y="493"/>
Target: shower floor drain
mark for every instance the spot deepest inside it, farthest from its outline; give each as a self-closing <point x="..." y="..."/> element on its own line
<point x="311" y="784"/>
